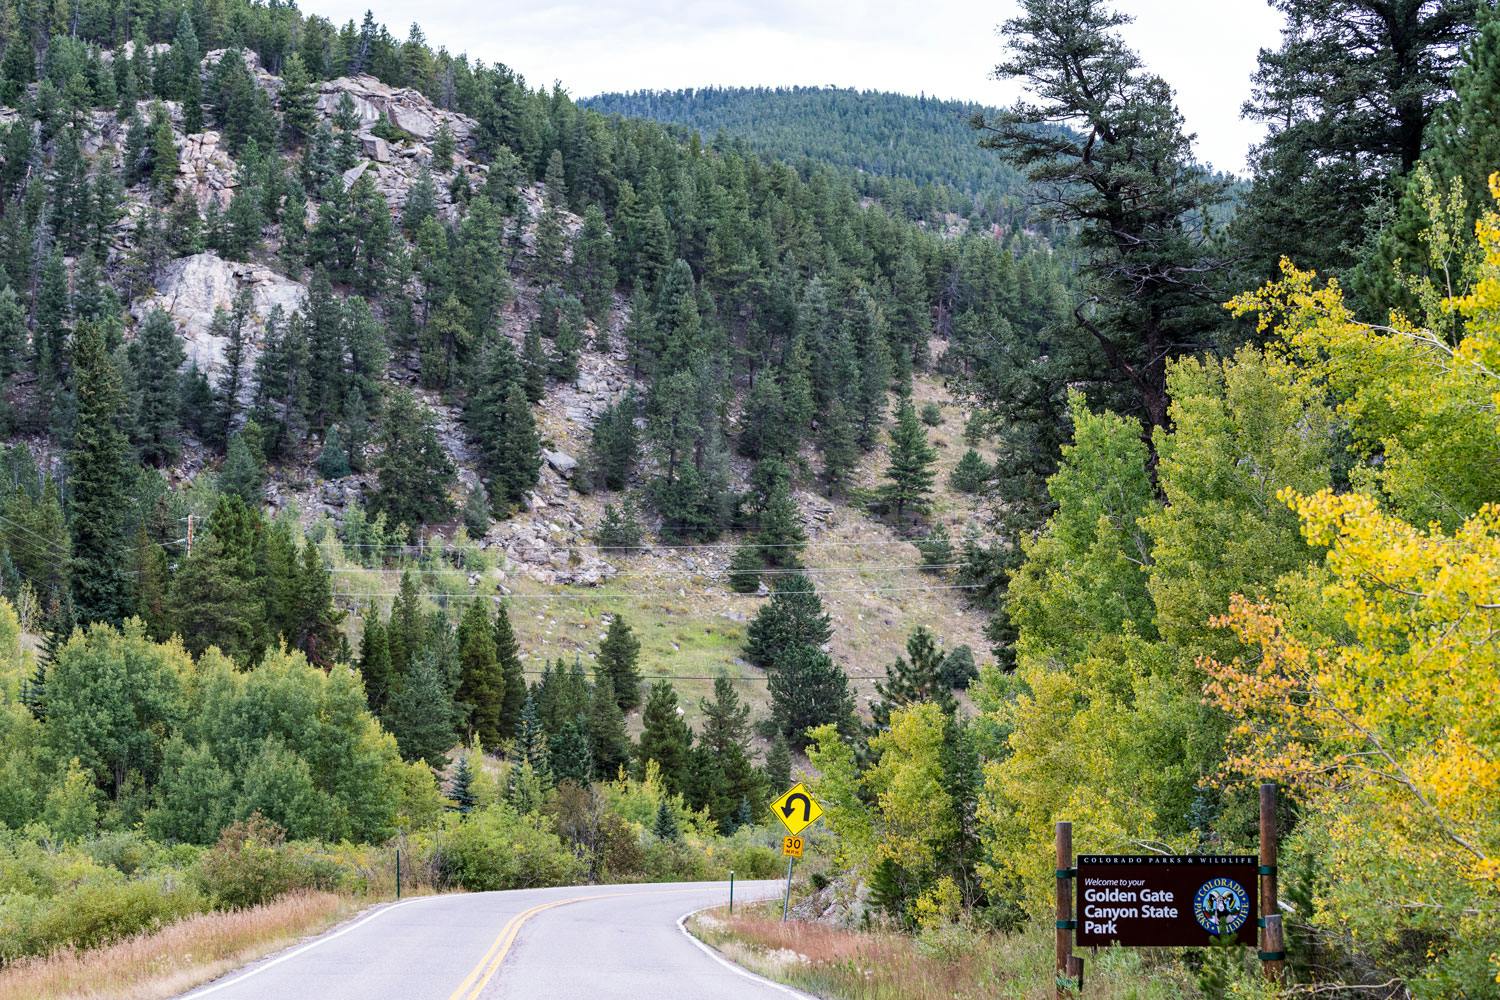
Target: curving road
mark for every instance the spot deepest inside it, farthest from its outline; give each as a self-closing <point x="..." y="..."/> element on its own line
<point x="578" y="943"/>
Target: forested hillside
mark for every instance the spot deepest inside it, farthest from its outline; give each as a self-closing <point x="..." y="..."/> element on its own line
<point x="401" y="456"/>
<point x="916" y="154"/>
<point x="397" y="451"/>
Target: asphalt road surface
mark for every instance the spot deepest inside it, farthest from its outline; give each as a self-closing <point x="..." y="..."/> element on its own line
<point x="578" y="943"/>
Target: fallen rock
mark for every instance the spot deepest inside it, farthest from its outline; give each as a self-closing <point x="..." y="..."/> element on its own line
<point x="561" y="462"/>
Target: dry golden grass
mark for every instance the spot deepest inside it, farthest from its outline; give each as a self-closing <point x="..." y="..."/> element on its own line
<point x="955" y="964"/>
<point x="176" y="958"/>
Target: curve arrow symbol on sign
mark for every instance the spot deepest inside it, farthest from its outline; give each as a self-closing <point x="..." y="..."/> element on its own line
<point x="787" y="810"/>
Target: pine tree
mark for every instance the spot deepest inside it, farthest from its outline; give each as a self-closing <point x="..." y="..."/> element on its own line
<point x="610" y="743"/>
<point x="157" y="356"/>
<point x="375" y="660"/>
<point x="665" y="737"/>
<point x="298" y="114"/>
<point x="572" y="752"/>
<point x="780" y="539"/>
<point x="594" y="274"/>
<point x="836" y="442"/>
<point x="970" y="474"/>
<point x="99" y="477"/>
<point x="443" y="146"/>
<point x="808" y="689"/>
<point x="793" y="617"/>
<point x="461" y="789"/>
<point x="420" y="714"/>
<point x="534" y="363"/>
<point x="12" y="334"/>
<point x="778" y="769"/>
<point x="665" y="827"/>
<point x="531" y="742"/>
<point x="618" y="655"/>
<point x="910" y="472"/>
<point x="745" y="567"/>
<point x="508" y="656"/>
<point x="618" y="528"/>
<point x="518" y="457"/>
<point x="476" y="512"/>
<point x="916" y="677"/>
<point x="244" y="471"/>
<point x="230" y="327"/>
<point x="725" y="741"/>
<point x="413" y="473"/>
<point x="481" y="688"/>
<point x="936" y="549"/>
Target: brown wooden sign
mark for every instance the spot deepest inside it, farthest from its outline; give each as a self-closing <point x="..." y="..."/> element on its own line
<point x="1165" y="901"/>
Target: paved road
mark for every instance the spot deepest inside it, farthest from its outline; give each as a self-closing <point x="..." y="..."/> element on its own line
<point x="580" y="943"/>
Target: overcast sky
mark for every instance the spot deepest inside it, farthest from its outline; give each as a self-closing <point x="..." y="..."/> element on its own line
<point x="1205" y="48"/>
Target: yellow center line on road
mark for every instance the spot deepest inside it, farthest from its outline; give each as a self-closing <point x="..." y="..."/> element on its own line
<point x="494" y="955"/>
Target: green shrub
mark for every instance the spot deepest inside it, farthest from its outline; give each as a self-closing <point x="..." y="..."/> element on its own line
<point x="249" y="865"/>
<point x="495" y="848"/>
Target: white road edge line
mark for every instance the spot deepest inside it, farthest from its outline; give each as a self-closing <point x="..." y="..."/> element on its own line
<point x="214" y="987"/>
<point x="738" y="970"/>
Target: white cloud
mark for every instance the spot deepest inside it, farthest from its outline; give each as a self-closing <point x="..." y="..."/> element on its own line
<point x="1205" y="50"/>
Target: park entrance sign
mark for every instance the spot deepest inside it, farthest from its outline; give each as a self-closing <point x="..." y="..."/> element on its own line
<point x="1164" y="901"/>
<point x="1169" y="901"/>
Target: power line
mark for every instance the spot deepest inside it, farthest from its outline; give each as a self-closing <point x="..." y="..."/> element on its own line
<point x="658" y="595"/>
<point x="769" y="571"/>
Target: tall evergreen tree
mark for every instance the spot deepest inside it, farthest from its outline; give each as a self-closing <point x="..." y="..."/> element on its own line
<point x="508" y="656"/>
<point x="910" y="474"/>
<point x="99" y="477"/>
<point x="793" y="617"/>
<point x="916" y="677"/>
<point x="808" y="689"/>
<point x="481" y="689"/>
<point x="665" y="736"/>
<point x="421" y="712"/>
<point x="413" y="473"/>
<point x="619" y="654"/>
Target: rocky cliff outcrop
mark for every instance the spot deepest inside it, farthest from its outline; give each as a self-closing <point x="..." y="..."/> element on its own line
<point x="191" y="288"/>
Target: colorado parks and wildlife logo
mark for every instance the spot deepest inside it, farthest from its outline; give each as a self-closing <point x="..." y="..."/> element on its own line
<point x="1221" y="906"/>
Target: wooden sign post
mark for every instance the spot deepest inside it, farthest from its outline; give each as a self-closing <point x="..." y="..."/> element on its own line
<point x="1169" y="901"/>
<point x="1066" y="962"/>
<point x="1272" y="945"/>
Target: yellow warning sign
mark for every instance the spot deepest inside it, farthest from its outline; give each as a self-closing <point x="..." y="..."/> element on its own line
<point x="791" y="847"/>
<point x="797" y="809"/>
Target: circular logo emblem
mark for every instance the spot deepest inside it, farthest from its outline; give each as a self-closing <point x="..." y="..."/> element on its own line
<point x="1221" y="906"/>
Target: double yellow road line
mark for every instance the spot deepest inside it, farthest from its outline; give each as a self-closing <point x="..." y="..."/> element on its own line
<point x="475" y="982"/>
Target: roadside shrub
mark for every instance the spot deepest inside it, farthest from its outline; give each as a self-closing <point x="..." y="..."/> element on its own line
<point x="249" y="865"/>
<point x="495" y="848"/>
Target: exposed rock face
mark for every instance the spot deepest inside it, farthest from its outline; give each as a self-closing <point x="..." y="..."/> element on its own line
<point x="191" y="288"/>
<point x="402" y="107"/>
<point x="204" y="168"/>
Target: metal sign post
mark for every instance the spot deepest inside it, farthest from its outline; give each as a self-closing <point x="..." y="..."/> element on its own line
<point x="786" y="900"/>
